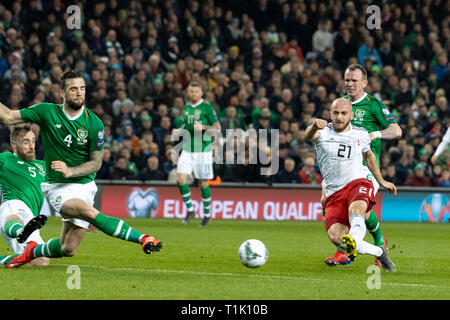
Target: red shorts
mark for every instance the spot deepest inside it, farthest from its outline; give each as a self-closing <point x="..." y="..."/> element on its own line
<point x="336" y="205"/>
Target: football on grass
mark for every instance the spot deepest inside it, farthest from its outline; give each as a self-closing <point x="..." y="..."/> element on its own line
<point x="253" y="253"/>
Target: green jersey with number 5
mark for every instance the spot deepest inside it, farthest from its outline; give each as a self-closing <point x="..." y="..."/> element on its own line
<point x="21" y="180"/>
<point x="67" y="139"/>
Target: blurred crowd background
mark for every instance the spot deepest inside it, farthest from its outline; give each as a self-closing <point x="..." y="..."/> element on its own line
<point x="263" y="64"/>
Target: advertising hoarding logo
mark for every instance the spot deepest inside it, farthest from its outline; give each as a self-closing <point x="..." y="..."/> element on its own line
<point x="142" y="203"/>
<point x="435" y="208"/>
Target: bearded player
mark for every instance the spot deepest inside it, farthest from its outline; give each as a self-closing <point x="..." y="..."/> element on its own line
<point x="72" y="138"/>
<point x="341" y="149"/>
<point x="372" y="115"/>
<point x="21" y="176"/>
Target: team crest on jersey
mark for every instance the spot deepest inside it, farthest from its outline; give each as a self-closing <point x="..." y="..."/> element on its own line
<point x="359" y="114"/>
<point x="82" y="134"/>
<point x="197" y="114"/>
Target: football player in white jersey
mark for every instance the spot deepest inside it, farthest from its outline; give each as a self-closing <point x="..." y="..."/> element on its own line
<point x="340" y="149"/>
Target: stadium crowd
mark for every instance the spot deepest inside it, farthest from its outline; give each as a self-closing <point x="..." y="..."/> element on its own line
<point x="263" y="64"/>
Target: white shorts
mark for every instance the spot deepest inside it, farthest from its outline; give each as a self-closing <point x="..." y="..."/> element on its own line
<point x="18" y="208"/>
<point x="58" y="193"/>
<point x="200" y="163"/>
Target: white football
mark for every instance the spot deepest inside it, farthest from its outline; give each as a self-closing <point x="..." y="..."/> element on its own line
<point x="253" y="253"/>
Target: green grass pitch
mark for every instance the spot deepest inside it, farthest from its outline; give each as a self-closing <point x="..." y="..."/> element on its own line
<point x="202" y="264"/>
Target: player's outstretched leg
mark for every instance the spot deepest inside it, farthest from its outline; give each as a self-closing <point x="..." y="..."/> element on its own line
<point x="50" y="249"/>
<point x="117" y="228"/>
<point x="32" y="225"/>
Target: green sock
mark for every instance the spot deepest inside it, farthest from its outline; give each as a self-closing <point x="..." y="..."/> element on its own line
<point x="4" y="260"/>
<point x="50" y="249"/>
<point x="13" y="228"/>
<point x="117" y="228"/>
<point x="186" y="195"/>
<point x="206" y="199"/>
<point x="373" y="226"/>
<point x="342" y="248"/>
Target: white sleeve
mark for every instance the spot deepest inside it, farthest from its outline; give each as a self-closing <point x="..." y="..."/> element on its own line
<point x="365" y="140"/>
<point x="445" y="141"/>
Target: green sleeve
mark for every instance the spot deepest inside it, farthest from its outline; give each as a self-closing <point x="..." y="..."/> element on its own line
<point x="211" y="115"/>
<point x="34" y="113"/>
<point x="96" y="135"/>
<point x="383" y="115"/>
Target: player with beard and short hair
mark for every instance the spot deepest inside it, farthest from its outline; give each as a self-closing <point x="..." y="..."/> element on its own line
<point x="21" y="176"/>
<point x="341" y="148"/>
<point x="73" y="138"/>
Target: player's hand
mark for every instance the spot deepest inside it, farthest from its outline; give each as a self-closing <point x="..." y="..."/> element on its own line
<point x="389" y="187"/>
<point x="198" y="126"/>
<point x="60" y="166"/>
<point x="320" y="124"/>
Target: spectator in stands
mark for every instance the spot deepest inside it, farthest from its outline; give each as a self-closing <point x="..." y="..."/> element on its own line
<point x="288" y="174"/>
<point x="152" y="170"/>
<point x="418" y="178"/>
<point x="121" y="172"/>
<point x="368" y="51"/>
<point x="308" y="173"/>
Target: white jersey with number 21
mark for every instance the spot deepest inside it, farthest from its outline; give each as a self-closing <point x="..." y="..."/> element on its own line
<point x="339" y="155"/>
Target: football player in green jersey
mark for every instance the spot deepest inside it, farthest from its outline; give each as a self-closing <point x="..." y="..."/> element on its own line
<point x="200" y="120"/>
<point x="21" y="176"/>
<point x="374" y="116"/>
<point x="72" y="137"/>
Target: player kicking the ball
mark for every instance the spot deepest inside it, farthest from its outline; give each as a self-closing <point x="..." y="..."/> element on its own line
<point x="72" y="138"/>
<point x="340" y="149"/>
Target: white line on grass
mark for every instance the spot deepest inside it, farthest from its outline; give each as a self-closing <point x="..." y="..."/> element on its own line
<point x="266" y="276"/>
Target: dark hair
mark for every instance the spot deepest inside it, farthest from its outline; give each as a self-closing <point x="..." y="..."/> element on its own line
<point x="356" y="66"/>
<point x="72" y="74"/>
<point x="19" y="131"/>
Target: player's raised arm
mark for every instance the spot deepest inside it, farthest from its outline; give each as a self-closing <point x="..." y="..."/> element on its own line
<point x="9" y="117"/>
<point x="312" y="133"/>
<point x="372" y="164"/>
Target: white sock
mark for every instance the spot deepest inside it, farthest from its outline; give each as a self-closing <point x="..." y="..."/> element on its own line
<point x="364" y="247"/>
<point x="357" y="228"/>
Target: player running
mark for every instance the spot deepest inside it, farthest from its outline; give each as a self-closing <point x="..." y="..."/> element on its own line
<point x="372" y="115"/>
<point x="21" y="176"/>
<point x="72" y="137"/>
<point x="341" y="148"/>
<point x="197" y="155"/>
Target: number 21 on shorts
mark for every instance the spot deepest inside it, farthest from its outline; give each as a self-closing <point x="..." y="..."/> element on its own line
<point x="366" y="190"/>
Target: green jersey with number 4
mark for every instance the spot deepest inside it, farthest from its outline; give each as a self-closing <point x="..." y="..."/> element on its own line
<point x="21" y="180"/>
<point x="204" y="113"/>
<point x="66" y="139"/>
<point x="373" y="115"/>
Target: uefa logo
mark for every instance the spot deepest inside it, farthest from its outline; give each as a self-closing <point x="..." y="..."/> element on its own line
<point x="435" y="208"/>
<point x="142" y="203"/>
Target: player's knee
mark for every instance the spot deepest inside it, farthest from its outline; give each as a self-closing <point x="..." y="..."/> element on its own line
<point x="181" y="179"/>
